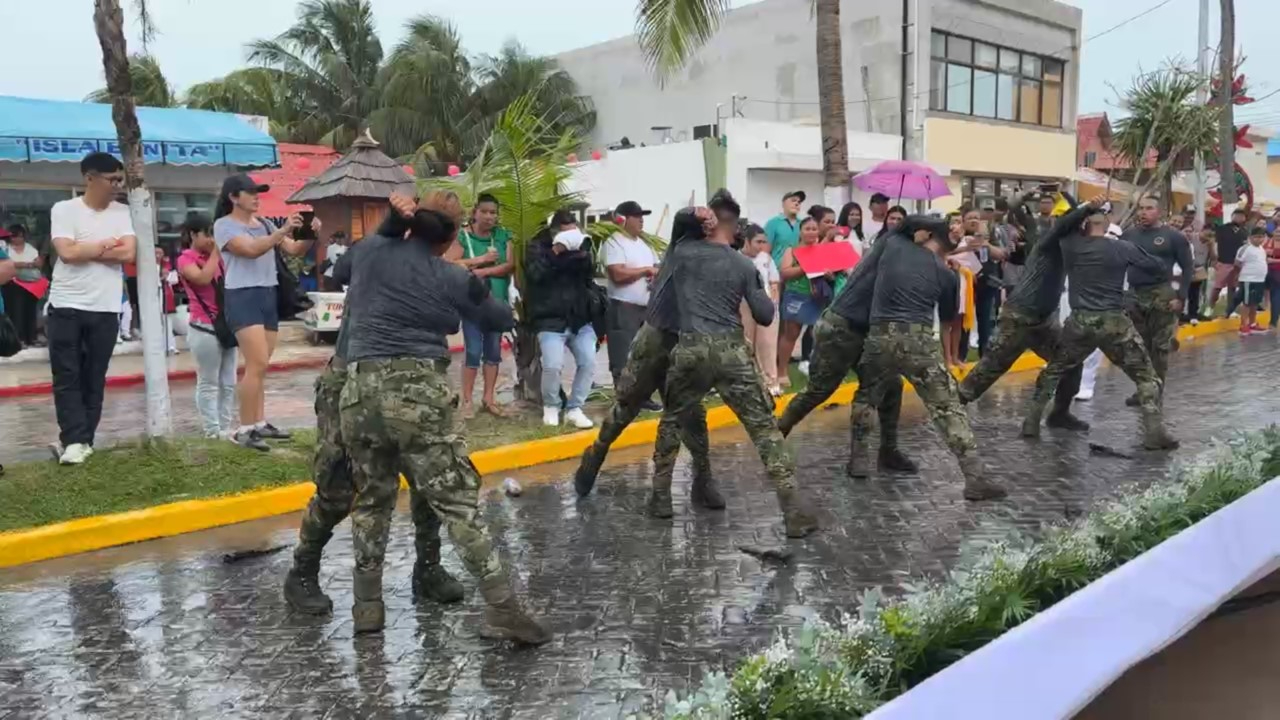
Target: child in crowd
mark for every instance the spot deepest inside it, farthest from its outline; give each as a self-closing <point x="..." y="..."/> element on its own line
<point x="1252" y="262"/>
<point x="762" y="340"/>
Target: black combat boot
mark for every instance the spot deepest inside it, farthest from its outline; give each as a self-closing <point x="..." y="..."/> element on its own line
<point x="1154" y="434"/>
<point x="1132" y="400"/>
<point x="977" y="486"/>
<point x="705" y="491"/>
<point x="369" y="613"/>
<point x="432" y="582"/>
<point x="584" y="479"/>
<point x="797" y="513"/>
<point x="302" y="592"/>
<point x="893" y="459"/>
<point x="859" y="465"/>
<point x="1062" y="418"/>
<point x="504" y="617"/>
<point x="659" y="505"/>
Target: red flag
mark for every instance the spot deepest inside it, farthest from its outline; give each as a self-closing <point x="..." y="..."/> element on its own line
<point x="823" y="258"/>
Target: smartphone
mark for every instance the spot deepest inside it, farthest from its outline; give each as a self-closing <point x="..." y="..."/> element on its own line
<point x="305" y="232"/>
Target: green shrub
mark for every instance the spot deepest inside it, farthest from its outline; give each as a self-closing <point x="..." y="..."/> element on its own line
<point x="883" y="649"/>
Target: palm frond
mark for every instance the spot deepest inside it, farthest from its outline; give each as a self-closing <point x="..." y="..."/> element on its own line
<point x="671" y="31"/>
<point x="150" y="87"/>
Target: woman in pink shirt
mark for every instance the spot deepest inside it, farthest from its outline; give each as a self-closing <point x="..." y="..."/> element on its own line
<point x="200" y="270"/>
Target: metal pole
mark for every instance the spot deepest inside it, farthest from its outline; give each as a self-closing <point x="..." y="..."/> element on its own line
<point x="902" y="100"/>
<point x="1202" y="96"/>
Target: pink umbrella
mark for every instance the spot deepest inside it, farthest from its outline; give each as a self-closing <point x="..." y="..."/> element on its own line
<point x="903" y="179"/>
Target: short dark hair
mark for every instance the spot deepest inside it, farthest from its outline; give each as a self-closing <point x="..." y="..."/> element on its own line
<point x="101" y="163"/>
<point x="896" y="209"/>
<point x="486" y="198"/>
<point x="879" y="198"/>
<point x="561" y="218"/>
<point x="196" y="222"/>
<point x="817" y="212"/>
<point x="17" y="229"/>
<point x="722" y="201"/>
<point x="752" y="230"/>
<point x="1239" y="211"/>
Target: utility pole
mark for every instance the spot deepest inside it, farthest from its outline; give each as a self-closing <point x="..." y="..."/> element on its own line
<point x="1226" y="80"/>
<point x="1202" y="97"/>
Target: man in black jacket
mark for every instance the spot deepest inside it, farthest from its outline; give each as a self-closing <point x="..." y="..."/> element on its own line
<point x="560" y="300"/>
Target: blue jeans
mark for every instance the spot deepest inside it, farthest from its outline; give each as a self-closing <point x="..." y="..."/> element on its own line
<point x="583" y="346"/>
<point x="481" y="345"/>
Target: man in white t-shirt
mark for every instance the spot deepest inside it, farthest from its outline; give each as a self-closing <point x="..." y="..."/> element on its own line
<point x="92" y="236"/>
<point x="871" y="226"/>
<point x="630" y="265"/>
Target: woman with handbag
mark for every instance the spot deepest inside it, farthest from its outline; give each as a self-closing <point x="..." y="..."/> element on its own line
<point x="210" y="339"/>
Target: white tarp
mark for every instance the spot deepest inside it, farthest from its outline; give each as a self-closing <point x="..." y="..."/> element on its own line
<point x="1054" y="664"/>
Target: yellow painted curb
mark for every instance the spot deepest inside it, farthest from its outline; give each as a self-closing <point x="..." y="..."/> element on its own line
<point x="94" y="533"/>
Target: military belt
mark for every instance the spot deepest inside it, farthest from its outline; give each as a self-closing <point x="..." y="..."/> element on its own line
<point x="431" y="364"/>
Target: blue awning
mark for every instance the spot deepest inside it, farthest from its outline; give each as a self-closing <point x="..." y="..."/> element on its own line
<point x="1273" y="147"/>
<point x="60" y="131"/>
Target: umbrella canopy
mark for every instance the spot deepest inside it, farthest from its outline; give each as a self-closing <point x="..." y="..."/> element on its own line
<point x="364" y="172"/>
<point x="903" y="179"/>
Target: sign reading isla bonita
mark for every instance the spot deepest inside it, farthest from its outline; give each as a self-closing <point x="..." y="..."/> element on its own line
<point x="72" y="150"/>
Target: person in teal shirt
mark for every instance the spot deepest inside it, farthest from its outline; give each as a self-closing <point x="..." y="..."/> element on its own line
<point x="783" y="230"/>
<point x="484" y="251"/>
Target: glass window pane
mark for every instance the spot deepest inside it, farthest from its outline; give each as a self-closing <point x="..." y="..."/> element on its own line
<point x="984" y="55"/>
<point x="1029" y="105"/>
<point x="959" y="50"/>
<point x="1052" y="104"/>
<point x="984" y="93"/>
<point x="959" y="81"/>
<point x="1010" y="61"/>
<point x="30" y="207"/>
<point x="1053" y="70"/>
<point x="938" y="85"/>
<point x="1031" y="66"/>
<point x="171" y="212"/>
<point x="984" y="186"/>
<point x="1006" y="97"/>
<point x="939" y="45"/>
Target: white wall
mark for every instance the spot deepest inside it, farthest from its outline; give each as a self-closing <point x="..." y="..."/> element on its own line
<point x="658" y="177"/>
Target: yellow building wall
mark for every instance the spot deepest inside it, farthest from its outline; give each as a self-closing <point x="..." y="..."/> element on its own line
<point x="969" y="147"/>
<point x="1273" y="179"/>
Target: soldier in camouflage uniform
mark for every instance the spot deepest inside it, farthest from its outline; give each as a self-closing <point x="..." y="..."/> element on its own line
<point x="838" y="348"/>
<point x="1154" y="304"/>
<point x="397" y="408"/>
<point x="1028" y="321"/>
<point x="646" y="372"/>
<point x="711" y="281"/>
<point x="911" y="280"/>
<point x="1096" y="267"/>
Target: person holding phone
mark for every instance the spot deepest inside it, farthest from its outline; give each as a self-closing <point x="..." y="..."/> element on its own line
<point x="248" y="244"/>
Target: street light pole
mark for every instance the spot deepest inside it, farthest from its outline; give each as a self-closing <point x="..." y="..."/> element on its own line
<point x="1202" y="96"/>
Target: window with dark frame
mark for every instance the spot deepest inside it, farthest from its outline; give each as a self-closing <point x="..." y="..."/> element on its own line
<point x="970" y="77"/>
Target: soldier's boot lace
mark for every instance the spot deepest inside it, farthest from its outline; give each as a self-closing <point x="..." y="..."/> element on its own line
<point x="705" y="491"/>
<point x="584" y="479"/>
<point x="504" y="618"/>
<point x="432" y="582"/>
<point x="302" y="592"/>
<point x="977" y="486"/>
<point x="369" y="613"/>
<point x="1154" y="434"/>
<point x="893" y="459"/>
<point x="797" y="514"/>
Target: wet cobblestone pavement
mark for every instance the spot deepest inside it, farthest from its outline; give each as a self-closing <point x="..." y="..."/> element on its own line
<point x="639" y="606"/>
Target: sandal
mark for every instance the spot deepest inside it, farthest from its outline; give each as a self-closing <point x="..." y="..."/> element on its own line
<point x="496" y="410"/>
<point x="466" y="412"/>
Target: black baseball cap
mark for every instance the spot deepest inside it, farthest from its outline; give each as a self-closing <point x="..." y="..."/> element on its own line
<point x="631" y="208"/>
<point x="795" y="194"/>
<point x="879" y="198"/>
<point x="236" y="184"/>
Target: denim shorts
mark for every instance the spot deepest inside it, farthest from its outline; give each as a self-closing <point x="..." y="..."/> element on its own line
<point x="481" y="345"/>
<point x="246" y="307"/>
<point x="798" y="308"/>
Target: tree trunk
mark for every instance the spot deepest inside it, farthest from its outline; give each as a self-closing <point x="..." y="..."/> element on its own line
<point x="528" y="390"/>
<point x="1226" y="76"/>
<point x="108" y="20"/>
<point x="835" y="133"/>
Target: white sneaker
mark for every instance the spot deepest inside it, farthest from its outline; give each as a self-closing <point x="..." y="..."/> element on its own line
<point x="1084" y="395"/>
<point x="57" y="450"/>
<point x="578" y="419"/>
<point x="551" y="416"/>
<point x="1194" y="322"/>
<point x="775" y="391"/>
<point x="1234" y="315"/>
<point x="803" y="367"/>
<point x="76" y="454"/>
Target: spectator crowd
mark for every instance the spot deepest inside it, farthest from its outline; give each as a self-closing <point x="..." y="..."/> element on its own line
<point x="575" y="293"/>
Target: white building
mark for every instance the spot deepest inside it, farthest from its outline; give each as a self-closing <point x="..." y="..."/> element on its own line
<point x="989" y="87"/>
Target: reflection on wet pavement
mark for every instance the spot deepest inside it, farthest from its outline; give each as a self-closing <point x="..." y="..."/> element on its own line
<point x="166" y="629"/>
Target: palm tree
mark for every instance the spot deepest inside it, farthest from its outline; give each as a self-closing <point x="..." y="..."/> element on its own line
<point x="330" y="61"/>
<point x="258" y="91"/>
<point x="1164" y="117"/>
<point x="108" y="20"/>
<point x="1227" y="128"/>
<point x="150" y="88"/>
<point x="671" y="31"/>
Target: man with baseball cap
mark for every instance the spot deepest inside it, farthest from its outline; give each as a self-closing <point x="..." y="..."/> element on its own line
<point x="783" y="230"/>
<point x="872" y="226"/>
<point x="631" y="265"/>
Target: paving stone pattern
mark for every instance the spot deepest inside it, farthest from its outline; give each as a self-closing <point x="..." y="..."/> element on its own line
<point x="168" y="629"/>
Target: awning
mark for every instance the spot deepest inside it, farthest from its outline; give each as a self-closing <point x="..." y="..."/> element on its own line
<point x="60" y="131"/>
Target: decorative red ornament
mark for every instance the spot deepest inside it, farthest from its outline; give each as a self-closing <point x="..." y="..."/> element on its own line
<point x="454" y="170"/>
<point x="596" y="155"/>
<point x="408" y="169"/>
<point x="1242" y="137"/>
<point x="303" y="163"/>
<point x="573" y="157"/>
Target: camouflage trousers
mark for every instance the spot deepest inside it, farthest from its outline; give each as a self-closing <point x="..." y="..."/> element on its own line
<point x="1018" y="331"/>
<point x="911" y="351"/>
<point x="1113" y="333"/>
<point x="336" y="489"/>
<point x="1156" y="323"/>
<point x="646" y="372"/>
<point x="837" y="349"/>
<point x="397" y="418"/>
<point x="700" y="363"/>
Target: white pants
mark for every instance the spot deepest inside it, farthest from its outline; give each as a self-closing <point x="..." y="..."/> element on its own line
<point x="215" y="382"/>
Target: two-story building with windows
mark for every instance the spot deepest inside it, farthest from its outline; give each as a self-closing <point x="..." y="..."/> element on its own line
<point x="984" y="90"/>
